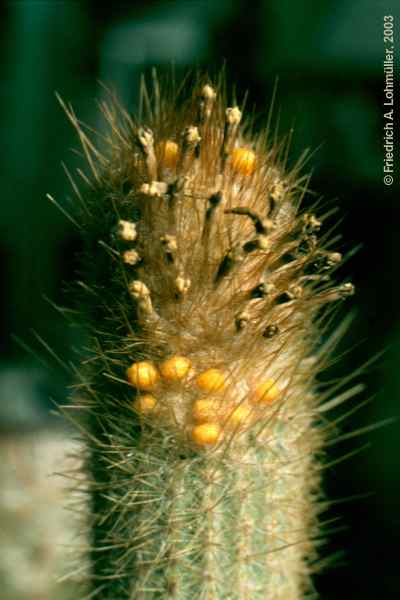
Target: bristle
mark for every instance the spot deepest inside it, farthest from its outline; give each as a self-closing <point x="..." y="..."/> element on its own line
<point x="205" y="300"/>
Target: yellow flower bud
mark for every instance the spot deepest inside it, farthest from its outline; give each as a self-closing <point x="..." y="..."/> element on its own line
<point x="243" y="161"/>
<point x="169" y="153"/>
<point x="266" y="393"/>
<point x="175" y="368"/>
<point x="145" y="404"/>
<point x="204" y="410"/>
<point x="143" y="375"/>
<point x="241" y="415"/>
<point x="206" y="433"/>
<point x="212" y="380"/>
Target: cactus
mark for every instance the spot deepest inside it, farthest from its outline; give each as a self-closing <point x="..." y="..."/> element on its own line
<point x="205" y="290"/>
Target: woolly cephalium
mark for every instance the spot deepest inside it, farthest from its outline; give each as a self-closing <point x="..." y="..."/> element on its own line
<point x="206" y="288"/>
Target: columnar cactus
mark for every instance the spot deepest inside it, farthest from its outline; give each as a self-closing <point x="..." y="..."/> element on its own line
<point x="206" y="287"/>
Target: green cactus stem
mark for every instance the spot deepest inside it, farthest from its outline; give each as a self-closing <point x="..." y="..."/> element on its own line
<point x="206" y="287"/>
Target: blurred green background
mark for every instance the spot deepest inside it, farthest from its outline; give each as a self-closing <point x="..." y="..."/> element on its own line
<point x="328" y="58"/>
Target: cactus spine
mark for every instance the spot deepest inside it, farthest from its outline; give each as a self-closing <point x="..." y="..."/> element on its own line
<point x="206" y="289"/>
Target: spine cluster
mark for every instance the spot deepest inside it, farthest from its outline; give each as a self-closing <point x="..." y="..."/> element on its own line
<point x="206" y="288"/>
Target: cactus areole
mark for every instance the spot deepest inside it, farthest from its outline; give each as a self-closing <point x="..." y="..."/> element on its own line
<point x="205" y="287"/>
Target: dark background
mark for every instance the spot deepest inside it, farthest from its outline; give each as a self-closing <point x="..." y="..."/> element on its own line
<point x="328" y="58"/>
